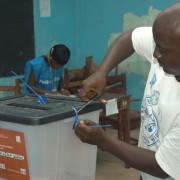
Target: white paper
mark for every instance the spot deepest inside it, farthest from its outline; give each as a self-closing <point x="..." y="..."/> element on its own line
<point x="45" y="8"/>
<point x="111" y="107"/>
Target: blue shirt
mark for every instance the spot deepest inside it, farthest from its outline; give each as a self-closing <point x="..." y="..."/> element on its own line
<point x="46" y="77"/>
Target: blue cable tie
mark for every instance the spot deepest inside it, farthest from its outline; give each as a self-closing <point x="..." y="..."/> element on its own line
<point x="77" y="121"/>
<point x="102" y="125"/>
<point x="41" y="100"/>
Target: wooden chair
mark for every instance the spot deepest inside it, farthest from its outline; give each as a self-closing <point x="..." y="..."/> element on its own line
<point x="16" y="88"/>
<point x="119" y="121"/>
<point x="116" y="119"/>
<point x="134" y="115"/>
<point x="73" y="79"/>
<point x="90" y="66"/>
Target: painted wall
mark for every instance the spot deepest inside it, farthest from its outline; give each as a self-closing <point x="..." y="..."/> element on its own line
<point x="58" y="27"/>
<point x="88" y="27"/>
<point x="101" y="22"/>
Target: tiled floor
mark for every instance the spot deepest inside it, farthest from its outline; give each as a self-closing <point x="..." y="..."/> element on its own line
<point x="110" y="167"/>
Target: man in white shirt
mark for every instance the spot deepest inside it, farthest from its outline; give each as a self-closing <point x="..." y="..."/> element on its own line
<point x="158" y="153"/>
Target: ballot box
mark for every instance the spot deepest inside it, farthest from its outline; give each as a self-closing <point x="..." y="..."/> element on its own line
<point x="37" y="142"/>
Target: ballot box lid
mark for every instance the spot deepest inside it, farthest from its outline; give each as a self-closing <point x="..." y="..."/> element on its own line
<point x="25" y="109"/>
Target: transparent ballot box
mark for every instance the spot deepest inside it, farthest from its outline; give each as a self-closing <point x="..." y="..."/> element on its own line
<point x="37" y="142"/>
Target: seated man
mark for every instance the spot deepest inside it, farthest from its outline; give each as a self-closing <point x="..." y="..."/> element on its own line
<point x="45" y="73"/>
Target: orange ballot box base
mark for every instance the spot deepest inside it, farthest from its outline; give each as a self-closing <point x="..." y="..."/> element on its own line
<point x="37" y="142"/>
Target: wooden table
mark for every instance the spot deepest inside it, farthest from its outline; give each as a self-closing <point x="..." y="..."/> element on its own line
<point x="121" y="120"/>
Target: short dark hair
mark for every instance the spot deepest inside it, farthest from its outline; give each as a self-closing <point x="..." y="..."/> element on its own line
<point x="60" y="53"/>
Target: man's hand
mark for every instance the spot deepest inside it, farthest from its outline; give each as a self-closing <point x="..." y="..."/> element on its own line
<point x="95" y="136"/>
<point x="93" y="85"/>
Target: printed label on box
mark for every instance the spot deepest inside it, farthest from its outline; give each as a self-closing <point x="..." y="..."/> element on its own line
<point x="13" y="157"/>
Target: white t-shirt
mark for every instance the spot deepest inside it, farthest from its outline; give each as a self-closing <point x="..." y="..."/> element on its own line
<point x="160" y="123"/>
